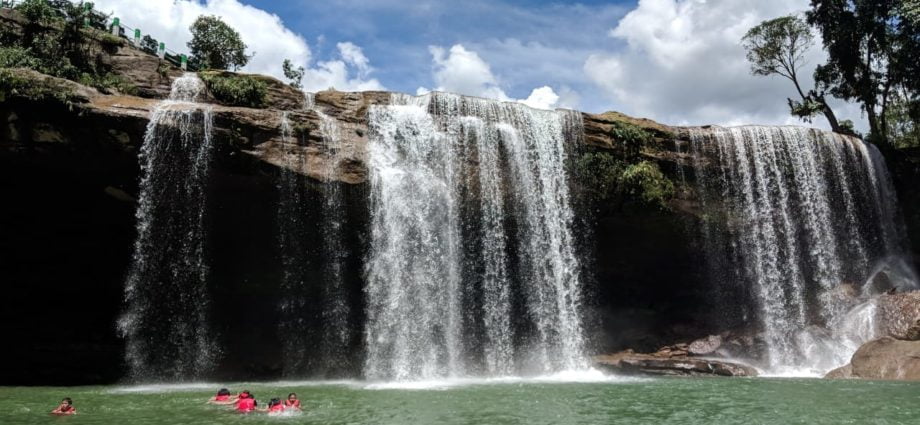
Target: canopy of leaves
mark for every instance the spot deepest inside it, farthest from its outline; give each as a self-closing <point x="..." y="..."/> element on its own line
<point x="873" y="51"/>
<point x="295" y="75"/>
<point x="216" y="44"/>
<point x="778" y="46"/>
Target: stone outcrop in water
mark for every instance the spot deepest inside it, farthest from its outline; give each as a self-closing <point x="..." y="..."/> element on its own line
<point x="671" y="364"/>
<point x="885" y="358"/>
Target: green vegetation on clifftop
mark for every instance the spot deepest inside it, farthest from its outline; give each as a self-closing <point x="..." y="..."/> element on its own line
<point x="235" y="89"/>
<point x="57" y="42"/>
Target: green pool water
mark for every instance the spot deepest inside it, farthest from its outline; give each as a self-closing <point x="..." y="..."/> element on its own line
<point x="512" y="401"/>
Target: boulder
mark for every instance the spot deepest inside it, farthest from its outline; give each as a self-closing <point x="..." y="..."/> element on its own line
<point x="843" y="372"/>
<point x="887" y="358"/>
<point x="631" y="363"/>
<point x="898" y="315"/>
<point x="706" y="345"/>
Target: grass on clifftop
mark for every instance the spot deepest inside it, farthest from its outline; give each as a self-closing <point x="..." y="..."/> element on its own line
<point x="14" y="84"/>
<point x="235" y="89"/>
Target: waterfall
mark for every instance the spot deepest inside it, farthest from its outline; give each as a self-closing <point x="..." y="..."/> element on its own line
<point x="166" y="320"/>
<point x="315" y="333"/>
<point x="293" y="222"/>
<point x="336" y="310"/>
<point x="444" y="169"/>
<point x="803" y="216"/>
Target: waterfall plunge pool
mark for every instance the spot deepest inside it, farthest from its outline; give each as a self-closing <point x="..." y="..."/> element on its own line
<point x="550" y="400"/>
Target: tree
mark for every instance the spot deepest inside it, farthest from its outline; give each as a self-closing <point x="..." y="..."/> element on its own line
<point x="216" y="44"/>
<point x="150" y="44"/>
<point x="295" y="75"/>
<point x="873" y="49"/>
<point x="779" y="47"/>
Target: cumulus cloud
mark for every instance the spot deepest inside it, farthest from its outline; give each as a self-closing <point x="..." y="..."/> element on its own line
<point x="682" y="63"/>
<point x="463" y="71"/>
<point x="265" y="34"/>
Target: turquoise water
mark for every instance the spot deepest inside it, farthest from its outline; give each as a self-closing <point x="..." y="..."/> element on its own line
<point x="611" y="401"/>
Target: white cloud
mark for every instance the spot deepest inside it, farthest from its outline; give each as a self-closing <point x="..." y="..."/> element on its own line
<point x="353" y="55"/>
<point x="683" y="63"/>
<point x="542" y="98"/>
<point x="263" y="32"/>
<point x="459" y="70"/>
<point x="463" y="71"/>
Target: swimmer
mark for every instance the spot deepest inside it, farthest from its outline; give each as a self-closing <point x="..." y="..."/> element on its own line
<point x="223" y="397"/>
<point x="275" y="407"/>
<point x="292" y="402"/>
<point x="65" y="408"/>
<point x="246" y="403"/>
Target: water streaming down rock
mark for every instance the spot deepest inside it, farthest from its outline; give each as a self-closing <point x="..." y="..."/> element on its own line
<point x="166" y="321"/>
<point x="429" y="156"/>
<point x="292" y="222"/>
<point x="336" y="307"/>
<point x="799" y="214"/>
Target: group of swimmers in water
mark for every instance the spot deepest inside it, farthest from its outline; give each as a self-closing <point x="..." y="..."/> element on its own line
<point x="244" y="402"/>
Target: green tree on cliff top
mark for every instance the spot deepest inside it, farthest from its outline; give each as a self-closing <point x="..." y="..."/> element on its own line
<point x="778" y="47"/>
<point x="216" y="44"/>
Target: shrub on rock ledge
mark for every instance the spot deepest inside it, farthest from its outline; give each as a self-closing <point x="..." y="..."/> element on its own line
<point x="235" y="89"/>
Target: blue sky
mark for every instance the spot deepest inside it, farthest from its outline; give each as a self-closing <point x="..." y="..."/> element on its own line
<point x="676" y="61"/>
<point x="517" y="38"/>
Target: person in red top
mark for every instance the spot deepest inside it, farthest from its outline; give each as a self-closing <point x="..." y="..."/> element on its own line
<point x="246" y="403"/>
<point x="223" y="397"/>
<point x="292" y="402"/>
<point x="275" y="407"/>
<point x="65" y="408"/>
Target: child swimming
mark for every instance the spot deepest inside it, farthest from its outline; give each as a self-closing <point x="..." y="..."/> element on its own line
<point x="65" y="408"/>
<point x="246" y="402"/>
<point x="275" y="407"/>
<point x="292" y="402"/>
<point x="223" y="397"/>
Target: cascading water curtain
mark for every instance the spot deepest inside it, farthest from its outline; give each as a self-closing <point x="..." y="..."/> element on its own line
<point x="336" y="310"/>
<point x="798" y="213"/>
<point x="166" y="321"/>
<point x="445" y="262"/>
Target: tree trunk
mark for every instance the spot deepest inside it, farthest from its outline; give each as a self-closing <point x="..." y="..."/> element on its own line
<point x="831" y="118"/>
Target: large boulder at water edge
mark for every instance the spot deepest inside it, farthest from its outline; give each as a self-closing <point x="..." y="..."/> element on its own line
<point x="899" y="315"/>
<point x="888" y="358"/>
<point x="631" y="363"/>
<point x="885" y="358"/>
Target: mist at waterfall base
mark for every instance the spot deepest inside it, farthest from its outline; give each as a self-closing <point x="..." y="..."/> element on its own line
<point x="463" y="258"/>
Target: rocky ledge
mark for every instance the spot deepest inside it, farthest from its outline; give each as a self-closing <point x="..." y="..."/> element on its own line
<point x="632" y="363"/>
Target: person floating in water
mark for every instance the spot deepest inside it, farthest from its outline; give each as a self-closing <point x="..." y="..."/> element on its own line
<point x="65" y="408"/>
<point x="292" y="402"/>
<point x="223" y="397"/>
<point x="246" y="402"/>
<point x="275" y="407"/>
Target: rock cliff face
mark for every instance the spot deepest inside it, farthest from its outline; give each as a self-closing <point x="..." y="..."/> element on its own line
<point x="70" y="161"/>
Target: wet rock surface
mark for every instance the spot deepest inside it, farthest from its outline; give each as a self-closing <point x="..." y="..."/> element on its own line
<point x="899" y="315"/>
<point x="885" y="358"/>
<point x="674" y="363"/>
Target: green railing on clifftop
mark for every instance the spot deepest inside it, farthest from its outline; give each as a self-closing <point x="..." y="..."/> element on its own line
<point x="100" y="21"/>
